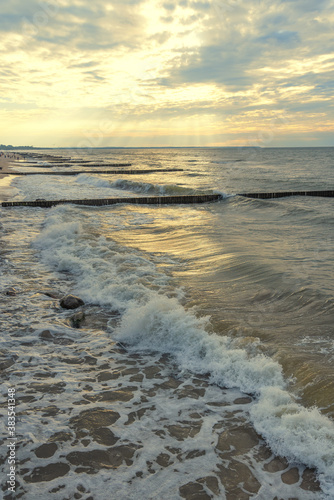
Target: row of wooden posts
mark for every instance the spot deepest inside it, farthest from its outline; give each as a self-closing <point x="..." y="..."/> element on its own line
<point x="147" y="200"/>
<point x="161" y="200"/>
<point x="108" y="172"/>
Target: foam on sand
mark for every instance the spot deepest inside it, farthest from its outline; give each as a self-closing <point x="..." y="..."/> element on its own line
<point x="152" y="319"/>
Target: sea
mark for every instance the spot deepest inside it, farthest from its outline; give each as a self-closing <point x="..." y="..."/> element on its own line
<point x="201" y="363"/>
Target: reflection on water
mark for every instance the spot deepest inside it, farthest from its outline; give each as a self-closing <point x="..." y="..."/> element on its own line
<point x="257" y="277"/>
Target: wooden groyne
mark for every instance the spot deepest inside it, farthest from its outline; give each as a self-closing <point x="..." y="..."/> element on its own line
<point x="283" y="194"/>
<point x="160" y="200"/>
<point x="78" y="172"/>
<point x="145" y="200"/>
<point x="108" y="164"/>
<point x="71" y="164"/>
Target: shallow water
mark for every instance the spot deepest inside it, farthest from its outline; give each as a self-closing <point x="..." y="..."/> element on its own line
<point x="222" y="312"/>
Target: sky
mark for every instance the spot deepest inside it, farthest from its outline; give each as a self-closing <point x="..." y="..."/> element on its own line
<point x="83" y="73"/>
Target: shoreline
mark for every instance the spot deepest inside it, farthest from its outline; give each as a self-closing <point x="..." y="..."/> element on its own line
<point x="6" y="171"/>
<point x="5" y="161"/>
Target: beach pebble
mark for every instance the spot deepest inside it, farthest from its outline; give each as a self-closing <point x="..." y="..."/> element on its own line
<point x="71" y="302"/>
<point x="77" y="319"/>
<point x="46" y="450"/>
<point x="46" y="334"/>
<point x="51" y="294"/>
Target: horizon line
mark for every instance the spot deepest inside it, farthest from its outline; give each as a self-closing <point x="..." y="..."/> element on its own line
<point x="9" y="147"/>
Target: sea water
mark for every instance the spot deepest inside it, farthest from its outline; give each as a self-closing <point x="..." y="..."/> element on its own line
<point x="207" y="328"/>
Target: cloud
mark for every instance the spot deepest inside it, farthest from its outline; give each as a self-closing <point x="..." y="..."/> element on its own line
<point x="168" y="63"/>
<point x="281" y="37"/>
<point x="79" y="25"/>
<point x="87" y="64"/>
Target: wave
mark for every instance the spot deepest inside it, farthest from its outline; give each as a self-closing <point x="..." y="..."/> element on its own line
<point x="223" y="162"/>
<point x="152" y="318"/>
<point x="139" y="187"/>
<point x="93" y="180"/>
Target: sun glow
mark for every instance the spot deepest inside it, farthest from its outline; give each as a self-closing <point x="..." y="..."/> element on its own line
<point x="153" y="68"/>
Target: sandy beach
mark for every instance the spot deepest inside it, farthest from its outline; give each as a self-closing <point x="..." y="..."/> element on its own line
<point x="5" y="164"/>
<point x="6" y="170"/>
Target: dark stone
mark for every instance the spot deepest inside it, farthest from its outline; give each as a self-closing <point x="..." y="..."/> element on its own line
<point x="104" y="436"/>
<point x="46" y="450"/>
<point x="6" y="363"/>
<point x="122" y="395"/>
<point x="50" y="411"/>
<point x="291" y="476"/>
<point x="60" y="437"/>
<point x="63" y="341"/>
<point x="103" y="376"/>
<point x="103" y="459"/>
<point x="182" y="432"/>
<point x="164" y="460"/>
<point x="188" y="391"/>
<point x="77" y="319"/>
<point x="47" y="388"/>
<point x="47" y="473"/>
<point x="310" y="481"/>
<point x="92" y="419"/>
<point x="52" y="295"/>
<point x="239" y="439"/>
<point x="194" y="454"/>
<point x="238" y="481"/>
<point x="212" y="483"/>
<point x="243" y="401"/>
<point x="44" y="375"/>
<point x="137" y="415"/>
<point x="71" y="302"/>
<point x="72" y="361"/>
<point x="194" y="491"/>
<point x="152" y="372"/>
<point x="90" y="360"/>
<point x="276" y="464"/>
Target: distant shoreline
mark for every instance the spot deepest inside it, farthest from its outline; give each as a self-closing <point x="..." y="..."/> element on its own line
<point x="75" y="148"/>
<point x="34" y="148"/>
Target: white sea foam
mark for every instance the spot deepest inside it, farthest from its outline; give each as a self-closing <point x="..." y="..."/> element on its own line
<point x="64" y="187"/>
<point x="154" y="319"/>
<point x="93" y="180"/>
<point x="163" y="324"/>
<point x="300" y="434"/>
<point x="147" y="188"/>
<point x="92" y="186"/>
<point x="6" y="188"/>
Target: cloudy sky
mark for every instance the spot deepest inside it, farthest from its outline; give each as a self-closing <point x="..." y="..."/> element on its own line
<point x="167" y="73"/>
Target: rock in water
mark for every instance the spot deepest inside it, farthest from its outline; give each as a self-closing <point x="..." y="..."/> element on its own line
<point x="77" y="319"/>
<point x="71" y="302"/>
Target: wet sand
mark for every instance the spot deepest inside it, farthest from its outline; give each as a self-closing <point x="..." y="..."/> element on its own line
<point x="5" y="162"/>
<point x="113" y="420"/>
<point x="7" y="168"/>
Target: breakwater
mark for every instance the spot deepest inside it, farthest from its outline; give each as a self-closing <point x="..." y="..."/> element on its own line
<point x="161" y="200"/>
<point x="61" y="163"/>
<point x="142" y="200"/>
<point x="283" y="194"/>
<point x="125" y="172"/>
